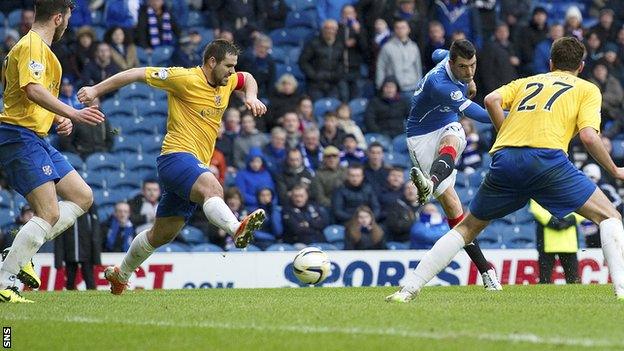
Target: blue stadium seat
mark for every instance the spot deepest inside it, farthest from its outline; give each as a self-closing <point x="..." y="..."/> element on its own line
<point x="115" y="107"/>
<point x="522" y="216"/>
<point x="302" y="19"/>
<point x="18" y="201"/>
<point x="296" y="36"/>
<point x="281" y="247"/>
<point x="466" y="194"/>
<point x="100" y="31"/>
<point x="47" y="247"/>
<point x="206" y="248"/>
<point x="145" y="126"/>
<point x="153" y="108"/>
<point x="125" y="144"/>
<point x="486" y="159"/>
<point x="324" y="246"/>
<point x="97" y="18"/>
<point x="249" y="248"/>
<point x="161" y="56"/>
<point x="300" y="5"/>
<point x="358" y="109"/>
<point x="128" y="182"/>
<point x="207" y="35"/>
<point x="6" y="199"/>
<point x="2" y="20"/>
<point x="150" y="143"/>
<point x="142" y="55"/>
<point x="334" y="233"/>
<point x="103" y="161"/>
<point x="74" y="160"/>
<point x="104" y="212"/>
<point x="324" y="105"/>
<point x="192" y="235"/>
<point x="138" y="163"/>
<point x="14" y="18"/>
<point x="618" y="149"/>
<point x="380" y="138"/>
<point x="521" y="237"/>
<point x="6" y="217"/>
<point x="196" y="19"/>
<point x="174" y="247"/>
<point x="1" y="105"/>
<point x="476" y="178"/>
<point x="396" y="245"/>
<point x="108" y="197"/>
<point x="134" y="91"/>
<point x="52" y="139"/>
<point x="399" y="143"/>
<point x="461" y="180"/>
<point x="398" y="160"/>
<point x="491" y="237"/>
<point x="98" y="180"/>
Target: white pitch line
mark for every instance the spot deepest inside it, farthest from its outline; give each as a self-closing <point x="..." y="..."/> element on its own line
<point x="446" y="335"/>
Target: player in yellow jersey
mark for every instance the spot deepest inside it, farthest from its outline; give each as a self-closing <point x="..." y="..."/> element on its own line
<point x="197" y="98"/>
<point x="31" y="76"/>
<point x="529" y="161"/>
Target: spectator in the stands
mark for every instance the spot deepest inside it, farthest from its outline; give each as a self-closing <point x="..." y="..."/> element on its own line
<point x="380" y="36"/>
<point x="232" y="15"/>
<point x="349" y="126"/>
<point x="355" y="49"/>
<point x="7" y="6"/>
<point x="386" y="112"/>
<point x="87" y="139"/>
<point x="415" y="13"/>
<point x="249" y="137"/>
<point x="303" y="220"/>
<point x="27" y="18"/>
<point x="352" y="194"/>
<point x="401" y="214"/>
<point x="83" y="51"/>
<point x="400" y="57"/>
<point x="428" y="229"/>
<point x="231" y="128"/>
<point x="123" y="51"/>
<point x="186" y="53"/>
<point x="218" y="165"/>
<point x="25" y="214"/>
<point x="11" y="37"/>
<point x="291" y="124"/>
<point x="272" y="227"/>
<point x="276" y="11"/>
<point x="541" y="57"/>
<point x="156" y="25"/>
<point x="283" y="97"/>
<point x="459" y="15"/>
<point x="611" y="90"/>
<point x="260" y="63"/>
<point x="375" y="170"/>
<point x="529" y="37"/>
<point x="351" y="153"/>
<point x="101" y="67"/>
<point x="311" y="148"/>
<point x="275" y="151"/>
<point x="436" y="40"/>
<point x="590" y="230"/>
<point x="254" y="177"/>
<point x="143" y="206"/>
<point x="328" y="178"/>
<point x="122" y="13"/>
<point x="118" y="230"/>
<point x="321" y="62"/>
<point x="293" y="173"/>
<point x="498" y="61"/>
<point x="606" y="28"/>
<point x="331" y="9"/>
<point x="331" y="132"/>
<point x="68" y="94"/>
<point x="471" y="157"/>
<point x="305" y="111"/>
<point x="362" y="231"/>
<point x="81" y="14"/>
<point x="613" y="62"/>
<point x="393" y="189"/>
<point x="573" y="25"/>
<point x="594" y="53"/>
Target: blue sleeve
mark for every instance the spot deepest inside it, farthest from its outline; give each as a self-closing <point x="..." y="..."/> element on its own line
<point x="451" y="96"/>
<point x="439" y="55"/>
<point x="476" y="112"/>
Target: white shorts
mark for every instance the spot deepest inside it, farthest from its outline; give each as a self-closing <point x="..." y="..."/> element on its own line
<point x="423" y="150"/>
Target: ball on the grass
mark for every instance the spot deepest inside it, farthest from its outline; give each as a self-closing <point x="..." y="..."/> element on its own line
<point x="311" y="265"/>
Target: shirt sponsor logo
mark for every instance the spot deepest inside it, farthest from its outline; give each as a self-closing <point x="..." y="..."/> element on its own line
<point x="36" y="68"/>
<point x="457" y="95"/>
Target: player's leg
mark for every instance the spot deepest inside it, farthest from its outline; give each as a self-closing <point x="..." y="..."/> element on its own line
<point x="77" y="199"/>
<point x="208" y="191"/>
<point x="455" y="213"/>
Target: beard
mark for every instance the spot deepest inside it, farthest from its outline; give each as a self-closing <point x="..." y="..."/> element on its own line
<point x="58" y="33"/>
<point x="217" y="81"/>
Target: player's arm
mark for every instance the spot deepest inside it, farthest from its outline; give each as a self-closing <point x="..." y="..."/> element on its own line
<point x="87" y="94"/>
<point x="450" y="95"/>
<point x="247" y="83"/>
<point x="590" y="138"/>
<point x="42" y="97"/>
<point x="494" y="104"/>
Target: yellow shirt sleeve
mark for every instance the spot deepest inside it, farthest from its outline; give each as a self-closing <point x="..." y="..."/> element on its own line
<point x="509" y="93"/>
<point x="31" y="64"/>
<point x="589" y="112"/>
<point x="232" y="82"/>
<point x="170" y="79"/>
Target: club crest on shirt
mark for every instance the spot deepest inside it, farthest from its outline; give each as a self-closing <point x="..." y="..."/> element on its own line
<point x="47" y="170"/>
<point x="161" y="74"/>
<point x="36" y="68"/>
<point x="217" y="100"/>
<point x="457" y="95"/>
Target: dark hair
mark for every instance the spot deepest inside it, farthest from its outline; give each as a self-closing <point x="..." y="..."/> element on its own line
<point x="108" y="36"/>
<point x="396" y="169"/>
<point x="149" y="181"/>
<point x="218" y="49"/>
<point x="375" y="144"/>
<point x="567" y="54"/>
<point x="355" y="166"/>
<point x="300" y="186"/>
<point x="462" y="48"/>
<point x="44" y="9"/>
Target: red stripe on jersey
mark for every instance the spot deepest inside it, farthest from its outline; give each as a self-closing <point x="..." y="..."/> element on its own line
<point x="241" y="81"/>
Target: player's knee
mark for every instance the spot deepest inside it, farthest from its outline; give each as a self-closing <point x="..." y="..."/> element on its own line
<point x="86" y="200"/>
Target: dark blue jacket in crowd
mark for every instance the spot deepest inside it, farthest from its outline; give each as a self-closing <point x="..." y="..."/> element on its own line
<point x="81" y="16"/>
<point x="249" y="181"/>
<point x="117" y="13"/>
<point x="304" y="225"/>
<point x="348" y="198"/>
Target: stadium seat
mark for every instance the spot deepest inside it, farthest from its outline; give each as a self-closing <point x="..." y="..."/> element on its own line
<point x="47" y="247"/>
<point x="618" y="149"/>
<point x="153" y="108"/>
<point x="302" y="19"/>
<point x="300" y="5"/>
<point x="465" y="194"/>
<point x="6" y="199"/>
<point x="324" y="246"/>
<point x="395" y="245"/>
<point x="125" y="144"/>
<point x="397" y="160"/>
<point x="18" y="201"/>
<point x="108" y="198"/>
<point x="324" y="105"/>
<point x="399" y="143"/>
<point x="142" y="55"/>
<point x="103" y="161"/>
<point x="14" y="18"/>
<point x="174" y="247"/>
<point x="521" y="237"/>
<point x="97" y="179"/>
<point x="115" y="107"/>
<point x="161" y="56"/>
<point x="296" y="36"/>
<point x="134" y="91"/>
<point x="486" y="159"/>
<point x="100" y="31"/>
<point x="97" y="18"/>
<point x="491" y="237"/>
<point x="249" y="248"/>
<point x="207" y="247"/>
<point x="138" y="163"/>
<point x="522" y="216"/>
<point x="196" y="19"/>
<point x="2" y="20"/>
<point x="281" y="247"/>
<point x="334" y="233"/>
<point x="128" y="182"/>
<point x="75" y="161"/>
<point x="461" y="180"/>
<point x="192" y="235"/>
<point x="358" y="109"/>
<point x="149" y="143"/>
<point x="104" y="212"/>
<point x="379" y="138"/>
<point x="6" y="217"/>
<point x="475" y="179"/>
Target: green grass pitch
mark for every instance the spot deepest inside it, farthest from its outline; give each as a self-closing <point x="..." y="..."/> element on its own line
<point x="573" y="317"/>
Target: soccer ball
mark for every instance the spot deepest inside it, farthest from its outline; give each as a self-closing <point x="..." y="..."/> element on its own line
<point x="311" y="265"/>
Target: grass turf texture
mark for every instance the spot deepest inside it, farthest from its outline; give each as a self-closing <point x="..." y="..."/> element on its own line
<point x="442" y="318"/>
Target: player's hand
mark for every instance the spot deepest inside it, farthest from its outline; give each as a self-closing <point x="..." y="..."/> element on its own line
<point x="472" y="89"/>
<point x="256" y="106"/>
<point x="86" y="95"/>
<point x="64" y="126"/>
<point x="89" y="115"/>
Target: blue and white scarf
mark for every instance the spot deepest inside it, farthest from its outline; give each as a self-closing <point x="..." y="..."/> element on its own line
<point x="154" y="31"/>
